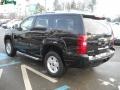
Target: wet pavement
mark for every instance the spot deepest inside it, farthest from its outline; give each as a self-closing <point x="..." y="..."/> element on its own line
<point x="23" y="73"/>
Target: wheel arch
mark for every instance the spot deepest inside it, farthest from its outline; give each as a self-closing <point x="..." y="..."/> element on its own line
<point x="53" y="47"/>
<point x="7" y="37"/>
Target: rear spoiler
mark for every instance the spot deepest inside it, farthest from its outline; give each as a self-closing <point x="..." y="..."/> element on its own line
<point x="93" y="17"/>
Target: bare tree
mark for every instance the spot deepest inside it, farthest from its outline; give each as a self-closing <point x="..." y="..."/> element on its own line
<point x="68" y="6"/>
<point x="91" y="5"/>
<point x="85" y="5"/>
<point x="73" y="5"/>
<point x="80" y="6"/>
<point x="57" y="5"/>
<point x="39" y="8"/>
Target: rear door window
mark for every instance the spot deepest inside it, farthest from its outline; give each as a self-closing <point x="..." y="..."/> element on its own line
<point x="96" y="27"/>
<point x="42" y="21"/>
<point x="68" y="23"/>
<point x="64" y="24"/>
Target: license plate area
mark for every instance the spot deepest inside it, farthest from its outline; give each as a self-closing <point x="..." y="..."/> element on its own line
<point x="102" y="48"/>
<point x="102" y="55"/>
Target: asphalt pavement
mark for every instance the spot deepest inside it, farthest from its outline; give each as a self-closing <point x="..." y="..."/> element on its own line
<point x="23" y="73"/>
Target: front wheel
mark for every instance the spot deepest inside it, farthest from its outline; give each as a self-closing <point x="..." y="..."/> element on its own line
<point x="10" y="50"/>
<point x="54" y="64"/>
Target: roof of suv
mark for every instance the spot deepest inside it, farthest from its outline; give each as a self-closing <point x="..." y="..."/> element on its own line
<point x="84" y="14"/>
<point x="59" y="13"/>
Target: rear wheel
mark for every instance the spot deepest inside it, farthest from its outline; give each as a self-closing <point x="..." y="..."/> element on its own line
<point x="54" y="64"/>
<point x="10" y="50"/>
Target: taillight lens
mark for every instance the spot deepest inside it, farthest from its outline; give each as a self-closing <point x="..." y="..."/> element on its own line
<point x="82" y="44"/>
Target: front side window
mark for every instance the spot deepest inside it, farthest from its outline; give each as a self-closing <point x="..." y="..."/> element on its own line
<point x="27" y="24"/>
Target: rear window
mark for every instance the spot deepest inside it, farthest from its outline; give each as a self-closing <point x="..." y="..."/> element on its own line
<point x="93" y="26"/>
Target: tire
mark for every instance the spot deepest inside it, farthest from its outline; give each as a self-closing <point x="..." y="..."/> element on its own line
<point x="10" y="50"/>
<point x="54" y="64"/>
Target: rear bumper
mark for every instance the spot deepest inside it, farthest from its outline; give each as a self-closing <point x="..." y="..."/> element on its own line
<point x="101" y="58"/>
<point x="90" y="61"/>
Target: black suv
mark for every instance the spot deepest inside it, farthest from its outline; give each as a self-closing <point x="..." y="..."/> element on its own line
<point x="61" y="40"/>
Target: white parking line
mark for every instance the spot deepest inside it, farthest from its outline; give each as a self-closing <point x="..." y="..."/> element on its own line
<point x="26" y="78"/>
<point x="1" y="70"/>
<point x="112" y="79"/>
<point x="106" y="83"/>
<point x="119" y="87"/>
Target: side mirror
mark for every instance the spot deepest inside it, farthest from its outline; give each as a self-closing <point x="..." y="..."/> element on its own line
<point x="39" y="28"/>
<point x="17" y="27"/>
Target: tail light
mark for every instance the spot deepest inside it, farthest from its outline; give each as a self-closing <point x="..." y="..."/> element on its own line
<point x="82" y="44"/>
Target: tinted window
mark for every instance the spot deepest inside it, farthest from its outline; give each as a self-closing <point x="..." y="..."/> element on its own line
<point x="70" y="23"/>
<point x="64" y="24"/>
<point x="41" y="21"/>
<point x="96" y="27"/>
<point x="27" y="23"/>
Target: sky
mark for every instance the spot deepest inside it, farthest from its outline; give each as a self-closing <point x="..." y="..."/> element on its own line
<point x="49" y="3"/>
<point x="103" y="7"/>
<point x="108" y="7"/>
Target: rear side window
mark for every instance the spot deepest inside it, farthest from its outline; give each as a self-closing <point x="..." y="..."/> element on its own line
<point x="64" y="24"/>
<point x="68" y="23"/>
<point x="42" y="21"/>
<point x="96" y="27"/>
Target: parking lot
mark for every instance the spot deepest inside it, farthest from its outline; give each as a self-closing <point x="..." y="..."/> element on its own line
<point x="23" y="73"/>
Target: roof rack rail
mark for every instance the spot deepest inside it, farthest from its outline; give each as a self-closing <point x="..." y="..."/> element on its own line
<point x="48" y="12"/>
